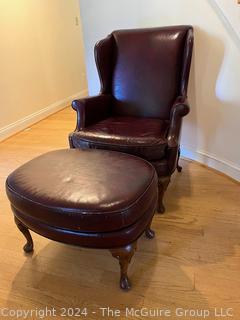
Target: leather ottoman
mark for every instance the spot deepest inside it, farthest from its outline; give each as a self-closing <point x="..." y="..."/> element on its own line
<point x="90" y="198"/>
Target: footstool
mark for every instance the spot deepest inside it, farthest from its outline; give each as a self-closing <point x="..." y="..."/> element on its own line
<point x="90" y="198"/>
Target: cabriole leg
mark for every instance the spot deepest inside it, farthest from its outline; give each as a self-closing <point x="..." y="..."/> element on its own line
<point x="28" y="247"/>
<point x="179" y="168"/>
<point x="124" y="256"/>
<point x="163" y="183"/>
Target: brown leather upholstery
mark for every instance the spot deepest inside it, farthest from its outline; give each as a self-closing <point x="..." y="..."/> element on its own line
<point x="126" y="136"/>
<point x="144" y="78"/>
<point x="85" y="193"/>
<point x="103" y="240"/>
<point x="147" y="71"/>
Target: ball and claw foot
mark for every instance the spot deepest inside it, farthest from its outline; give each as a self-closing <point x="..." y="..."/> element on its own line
<point x="149" y="233"/>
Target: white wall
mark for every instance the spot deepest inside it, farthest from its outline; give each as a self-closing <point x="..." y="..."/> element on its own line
<point x="211" y="131"/>
<point x="231" y="13"/>
<point x="41" y="60"/>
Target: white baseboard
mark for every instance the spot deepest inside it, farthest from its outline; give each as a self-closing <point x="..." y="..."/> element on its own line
<point x="29" y="120"/>
<point x="229" y="168"/>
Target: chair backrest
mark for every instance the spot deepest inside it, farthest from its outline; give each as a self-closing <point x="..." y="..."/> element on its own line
<point x="145" y="69"/>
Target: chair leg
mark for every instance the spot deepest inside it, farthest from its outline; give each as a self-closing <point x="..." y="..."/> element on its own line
<point x="124" y="255"/>
<point x="28" y="247"/>
<point x="149" y="233"/>
<point x="179" y="168"/>
<point x="163" y="183"/>
<point x="70" y="142"/>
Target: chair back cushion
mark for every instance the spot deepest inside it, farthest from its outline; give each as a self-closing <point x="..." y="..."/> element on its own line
<point x="147" y="69"/>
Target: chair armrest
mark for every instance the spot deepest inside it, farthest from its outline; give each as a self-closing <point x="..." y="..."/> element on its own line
<point x="91" y="110"/>
<point x="179" y="109"/>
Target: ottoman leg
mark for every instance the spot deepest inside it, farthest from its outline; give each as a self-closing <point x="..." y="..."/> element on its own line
<point x="149" y="233"/>
<point x="29" y="245"/>
<point x="124" y="255"/>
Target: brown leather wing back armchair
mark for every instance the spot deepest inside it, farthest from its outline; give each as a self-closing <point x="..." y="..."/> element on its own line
<point x="144" y="78"/>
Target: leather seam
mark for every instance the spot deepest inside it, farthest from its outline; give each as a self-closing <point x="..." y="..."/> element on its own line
<point x="123" y="145"/>
<point x="91" y="232"/>
<point x="74" y="211"/>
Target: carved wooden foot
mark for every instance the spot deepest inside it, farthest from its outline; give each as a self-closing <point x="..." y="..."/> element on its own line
<point x="179" y="168"/>
<point x="163" y="183"/>
<point x="124" y="255"/>
<point x="149" y="233"/>
<point x="29" y="245"/>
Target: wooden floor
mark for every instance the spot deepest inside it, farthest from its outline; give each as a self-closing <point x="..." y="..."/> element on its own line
<point x="193" y="263"/>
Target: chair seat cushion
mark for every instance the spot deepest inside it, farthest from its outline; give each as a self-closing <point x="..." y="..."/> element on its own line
<point x="143" y="137"/>
<point x="84" y="190"/>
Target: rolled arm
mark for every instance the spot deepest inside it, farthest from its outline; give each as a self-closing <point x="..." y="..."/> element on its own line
<point x="91" y="110"/>
<point x="179" y="109"/>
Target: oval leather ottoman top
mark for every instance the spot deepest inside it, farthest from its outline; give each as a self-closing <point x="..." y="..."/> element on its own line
<point x="84" y="190"/>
